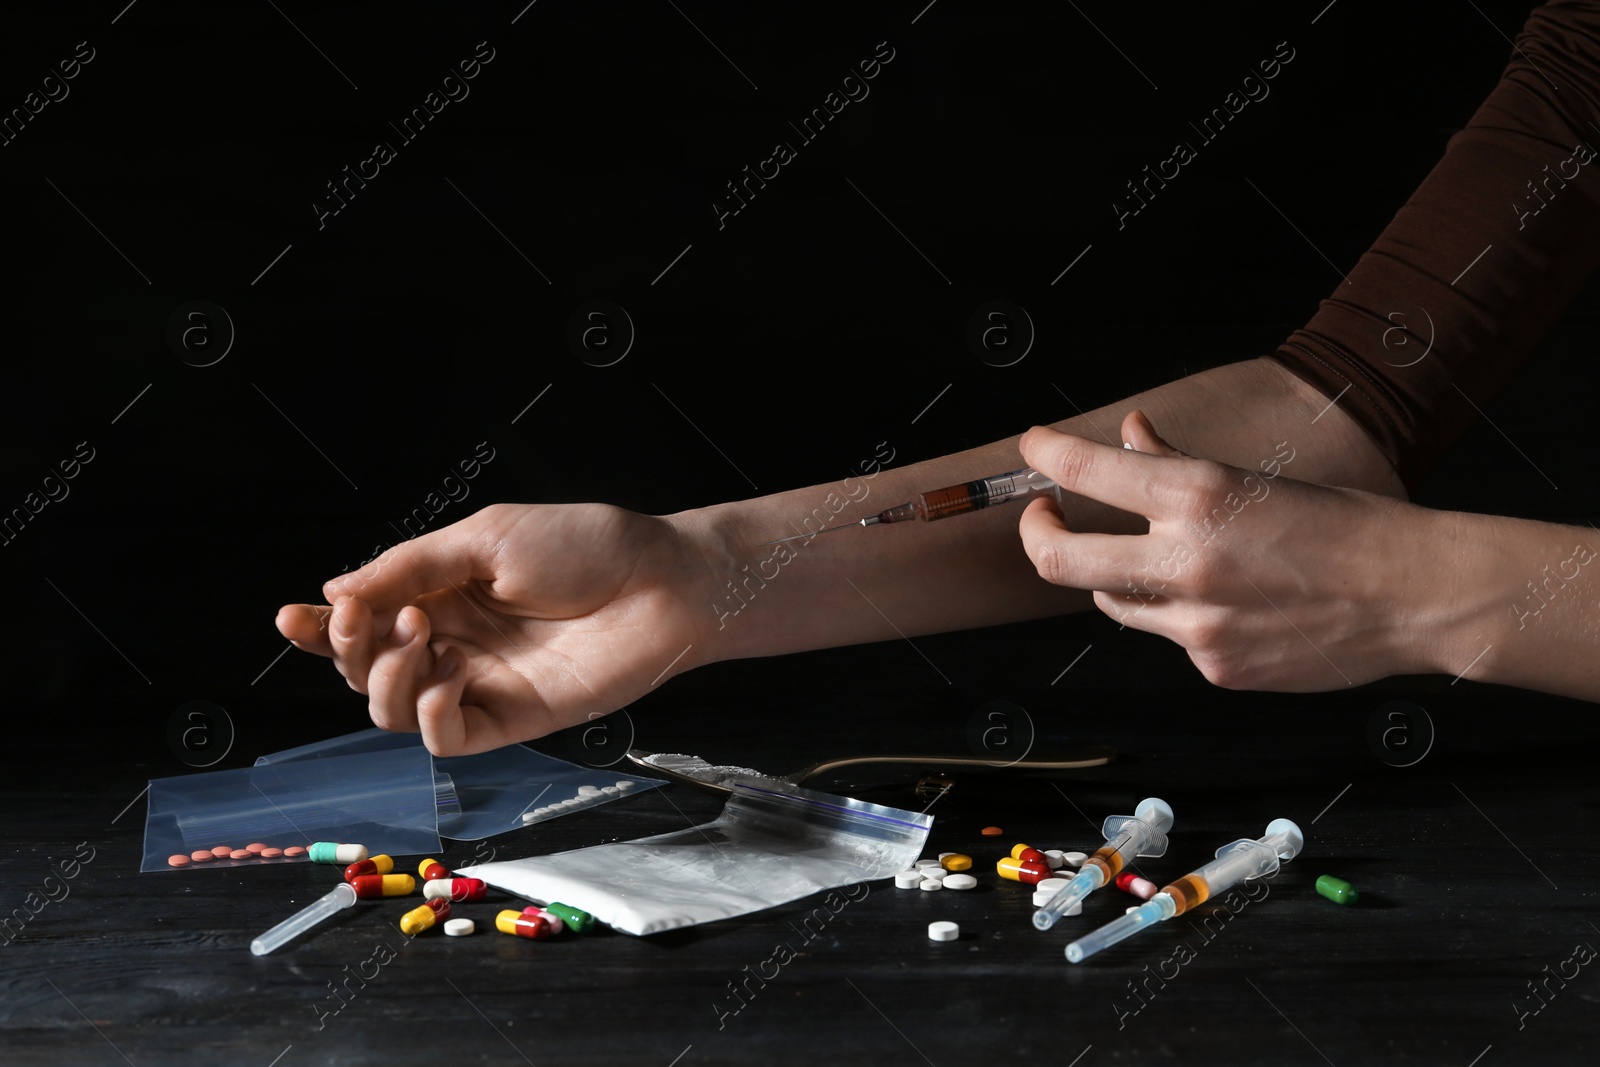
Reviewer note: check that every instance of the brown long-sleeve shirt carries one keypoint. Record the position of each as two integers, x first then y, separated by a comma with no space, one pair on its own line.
1479,263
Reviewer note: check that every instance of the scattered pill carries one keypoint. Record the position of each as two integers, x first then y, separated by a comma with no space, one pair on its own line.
1055,858
1074,859
257,848
588,791
529,816
459,927
580,921
294,850
959,881
555,923
991,831
1052,885
431,870
202,856
926,863
936,874
332,852
270,853
1033,854
1019,848
942,855
611,791
373,886
1029,872
417,920
521,925
955,861
178,861
457,889
943,931
1337,889
626,784
931,885
903,880
379,864
241,854
222,852
1142,888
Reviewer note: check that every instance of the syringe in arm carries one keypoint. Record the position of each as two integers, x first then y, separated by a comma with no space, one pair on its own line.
1234,863
1144,833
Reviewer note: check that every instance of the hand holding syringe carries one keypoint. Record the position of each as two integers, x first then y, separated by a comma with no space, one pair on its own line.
1144,833
1234,863
1024,484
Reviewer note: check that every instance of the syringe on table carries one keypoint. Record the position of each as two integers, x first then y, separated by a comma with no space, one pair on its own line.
1234,863
1024,484
1144,833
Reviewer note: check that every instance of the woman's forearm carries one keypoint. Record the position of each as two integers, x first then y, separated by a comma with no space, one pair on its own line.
870,585
1511,601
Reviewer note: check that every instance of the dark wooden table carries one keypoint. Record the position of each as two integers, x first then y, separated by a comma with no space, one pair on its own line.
1476,866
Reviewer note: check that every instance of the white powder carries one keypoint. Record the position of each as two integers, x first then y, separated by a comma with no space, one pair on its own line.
697,768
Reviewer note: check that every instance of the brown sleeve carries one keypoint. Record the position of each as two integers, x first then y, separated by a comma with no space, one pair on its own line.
1482,260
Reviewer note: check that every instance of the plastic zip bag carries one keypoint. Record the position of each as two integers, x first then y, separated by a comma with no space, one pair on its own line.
768,847
380,789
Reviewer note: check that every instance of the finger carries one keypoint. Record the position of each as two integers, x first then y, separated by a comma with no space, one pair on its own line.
438,560
1119,477
306,625
350,634
1077,560
398,668
494,706
1138,610
1140,433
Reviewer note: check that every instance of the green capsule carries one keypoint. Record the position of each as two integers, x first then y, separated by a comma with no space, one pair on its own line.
1337,889
577,919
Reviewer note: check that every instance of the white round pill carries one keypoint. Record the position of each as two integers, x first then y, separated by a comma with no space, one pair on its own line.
458,927
930,884
936,873
1130,907
959,881
943,931
529,816
942,855
929,863
1051,886
1055,858
1073,859
588,790
610,790
908,879
626,784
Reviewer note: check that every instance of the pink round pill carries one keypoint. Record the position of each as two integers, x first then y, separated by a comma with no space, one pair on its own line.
240,854
178,861
222,851
271,853
294,850
201,856
258,848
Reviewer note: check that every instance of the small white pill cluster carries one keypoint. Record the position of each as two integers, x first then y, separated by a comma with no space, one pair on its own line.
586,795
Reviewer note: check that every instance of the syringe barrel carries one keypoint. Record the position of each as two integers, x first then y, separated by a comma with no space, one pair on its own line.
1236,862
319,910
1157,909
985,492
1085,882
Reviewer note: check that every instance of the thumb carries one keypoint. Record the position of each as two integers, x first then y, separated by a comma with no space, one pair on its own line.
1140,434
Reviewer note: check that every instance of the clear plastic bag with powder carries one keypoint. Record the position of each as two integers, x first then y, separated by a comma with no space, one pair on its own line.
768,847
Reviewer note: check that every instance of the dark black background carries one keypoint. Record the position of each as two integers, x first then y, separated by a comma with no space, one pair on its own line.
778,351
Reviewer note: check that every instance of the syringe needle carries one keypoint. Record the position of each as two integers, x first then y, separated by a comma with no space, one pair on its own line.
870,520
